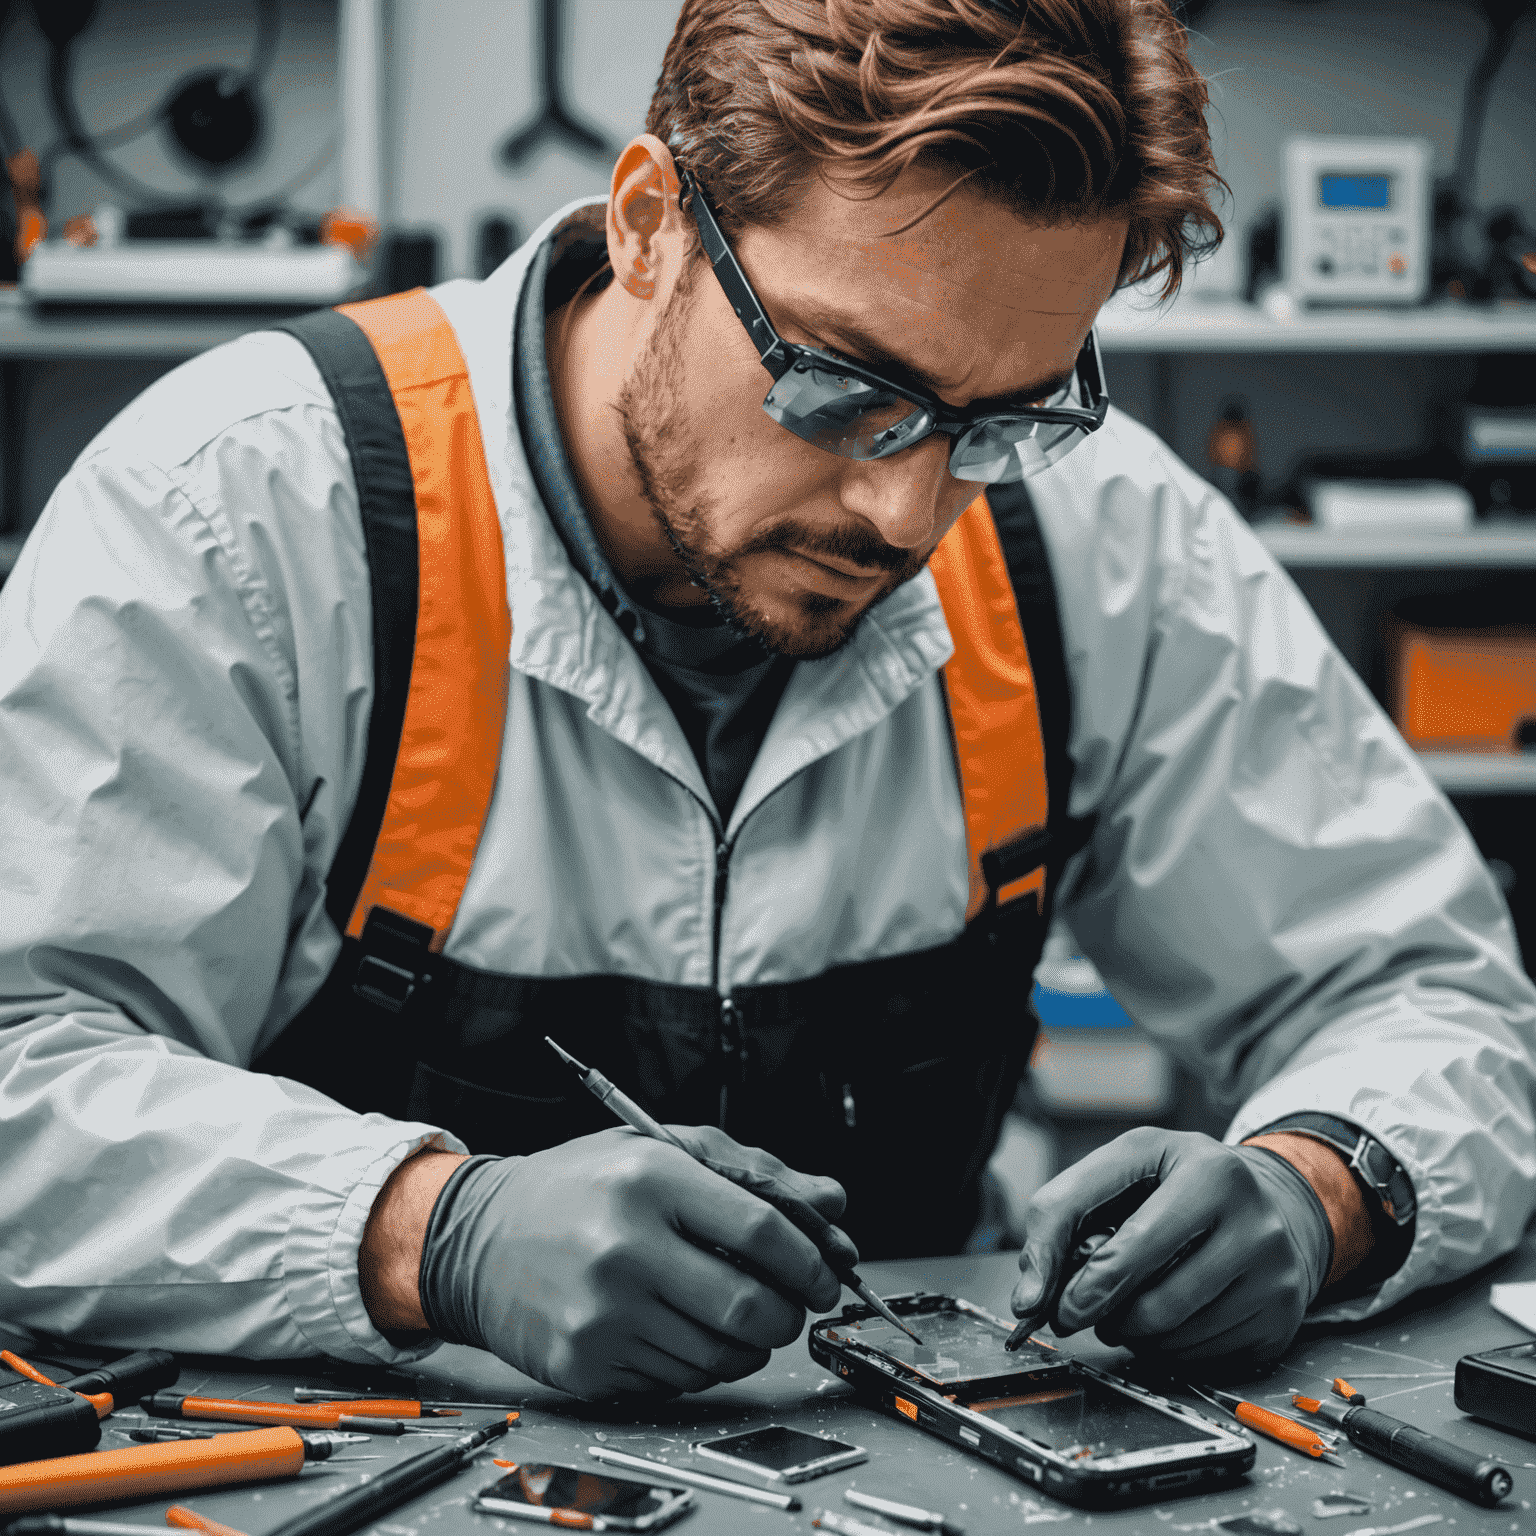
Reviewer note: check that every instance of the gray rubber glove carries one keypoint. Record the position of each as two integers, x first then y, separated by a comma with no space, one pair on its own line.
590,1266
1216,1253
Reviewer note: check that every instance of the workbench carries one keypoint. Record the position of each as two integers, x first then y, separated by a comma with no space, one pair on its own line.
1403,1365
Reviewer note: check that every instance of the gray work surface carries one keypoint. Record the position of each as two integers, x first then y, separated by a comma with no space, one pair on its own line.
1394,1363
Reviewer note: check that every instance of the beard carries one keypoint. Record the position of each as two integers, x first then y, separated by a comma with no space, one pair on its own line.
667,453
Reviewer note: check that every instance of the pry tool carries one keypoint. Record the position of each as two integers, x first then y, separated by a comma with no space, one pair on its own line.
797,1212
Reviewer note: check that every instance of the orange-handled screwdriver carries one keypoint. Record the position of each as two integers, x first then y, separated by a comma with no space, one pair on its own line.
148,1471
177,1405
1276,1425
185,1519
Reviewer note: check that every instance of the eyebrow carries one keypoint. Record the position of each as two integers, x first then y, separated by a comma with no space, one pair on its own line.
863,348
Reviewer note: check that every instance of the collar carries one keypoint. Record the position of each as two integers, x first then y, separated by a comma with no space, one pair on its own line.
563,636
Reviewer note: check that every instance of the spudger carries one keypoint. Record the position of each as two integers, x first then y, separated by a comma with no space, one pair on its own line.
798,1213
662,1473
904,1514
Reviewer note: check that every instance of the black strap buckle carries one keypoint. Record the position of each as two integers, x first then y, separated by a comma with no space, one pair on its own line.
1000,867
395,962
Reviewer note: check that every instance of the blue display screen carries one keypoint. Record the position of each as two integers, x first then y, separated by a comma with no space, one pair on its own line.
1354,191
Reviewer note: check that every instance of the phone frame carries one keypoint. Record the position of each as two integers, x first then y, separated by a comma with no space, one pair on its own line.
679,1502
803,1472
1215,1458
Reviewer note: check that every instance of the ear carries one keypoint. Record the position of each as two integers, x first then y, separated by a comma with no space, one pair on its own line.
647,239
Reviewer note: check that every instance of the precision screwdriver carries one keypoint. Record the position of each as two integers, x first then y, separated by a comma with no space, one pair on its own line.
335,1395
176,1405
1300,1437
798,1213
1475,1477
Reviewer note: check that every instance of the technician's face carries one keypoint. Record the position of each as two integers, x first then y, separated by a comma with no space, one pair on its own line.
794,542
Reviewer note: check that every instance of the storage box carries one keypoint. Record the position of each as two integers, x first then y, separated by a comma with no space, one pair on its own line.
1463,690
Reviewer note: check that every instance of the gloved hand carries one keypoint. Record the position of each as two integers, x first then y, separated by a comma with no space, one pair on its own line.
1218,1251
589,1267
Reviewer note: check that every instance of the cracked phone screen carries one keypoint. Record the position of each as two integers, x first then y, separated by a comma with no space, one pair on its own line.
1083,1418
957,1347
1072,1414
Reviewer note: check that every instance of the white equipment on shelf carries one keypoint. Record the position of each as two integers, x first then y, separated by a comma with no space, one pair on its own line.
1389,506
189,272
1357,220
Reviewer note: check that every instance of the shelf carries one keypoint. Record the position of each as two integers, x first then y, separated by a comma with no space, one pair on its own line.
1458,773
1482,773
1130,323
1314,549
25,337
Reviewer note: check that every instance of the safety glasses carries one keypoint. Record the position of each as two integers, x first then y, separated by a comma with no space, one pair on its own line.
859,413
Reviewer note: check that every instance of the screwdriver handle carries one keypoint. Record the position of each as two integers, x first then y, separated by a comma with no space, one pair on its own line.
1475,1477
132,1377
147,1471
184,1519
1278,1427
173,1405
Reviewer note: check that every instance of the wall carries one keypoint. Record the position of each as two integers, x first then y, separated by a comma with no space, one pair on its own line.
1278,67
134,51
462,75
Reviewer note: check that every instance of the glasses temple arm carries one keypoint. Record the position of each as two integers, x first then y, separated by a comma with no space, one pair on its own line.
733,281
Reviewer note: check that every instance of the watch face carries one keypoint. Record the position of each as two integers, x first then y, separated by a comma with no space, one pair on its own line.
1392,1186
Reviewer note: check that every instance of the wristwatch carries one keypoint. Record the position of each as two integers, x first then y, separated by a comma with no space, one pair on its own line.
1380,1176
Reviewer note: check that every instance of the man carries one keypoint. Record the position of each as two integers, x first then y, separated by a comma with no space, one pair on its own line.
728,780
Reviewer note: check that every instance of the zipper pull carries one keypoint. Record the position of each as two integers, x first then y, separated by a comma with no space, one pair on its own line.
733,1055
850,1117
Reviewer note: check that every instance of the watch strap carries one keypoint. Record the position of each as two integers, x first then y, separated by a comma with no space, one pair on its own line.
1377,1172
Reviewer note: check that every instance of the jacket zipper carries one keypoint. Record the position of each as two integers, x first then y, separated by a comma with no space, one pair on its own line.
732,1047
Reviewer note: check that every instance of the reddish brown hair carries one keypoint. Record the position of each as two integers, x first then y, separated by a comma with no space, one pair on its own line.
1062,109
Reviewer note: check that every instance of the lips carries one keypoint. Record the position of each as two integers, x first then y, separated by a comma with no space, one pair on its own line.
844,568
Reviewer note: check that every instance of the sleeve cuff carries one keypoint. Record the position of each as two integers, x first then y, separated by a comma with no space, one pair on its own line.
1419,1267
324,1234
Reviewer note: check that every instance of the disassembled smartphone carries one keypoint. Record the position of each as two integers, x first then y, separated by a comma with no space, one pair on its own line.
1076,1432
786,1455
538,1490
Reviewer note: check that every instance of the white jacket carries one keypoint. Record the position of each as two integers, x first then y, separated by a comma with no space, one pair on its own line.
1275,890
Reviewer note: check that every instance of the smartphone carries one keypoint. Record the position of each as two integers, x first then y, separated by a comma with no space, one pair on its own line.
786,1455
537,1489
1073,1431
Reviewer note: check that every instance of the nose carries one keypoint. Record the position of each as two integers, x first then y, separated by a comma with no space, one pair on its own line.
905,497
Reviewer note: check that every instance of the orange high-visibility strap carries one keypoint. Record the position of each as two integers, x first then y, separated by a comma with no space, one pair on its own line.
450,744
992,702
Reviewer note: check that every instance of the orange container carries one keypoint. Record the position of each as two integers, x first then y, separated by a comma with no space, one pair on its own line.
150,1471
1462,690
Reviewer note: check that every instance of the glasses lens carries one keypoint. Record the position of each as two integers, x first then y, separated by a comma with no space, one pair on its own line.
844,414
999,451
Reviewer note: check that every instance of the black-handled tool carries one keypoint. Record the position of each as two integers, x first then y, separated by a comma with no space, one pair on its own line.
389,1489
132,1377
1474,1477
832,1243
